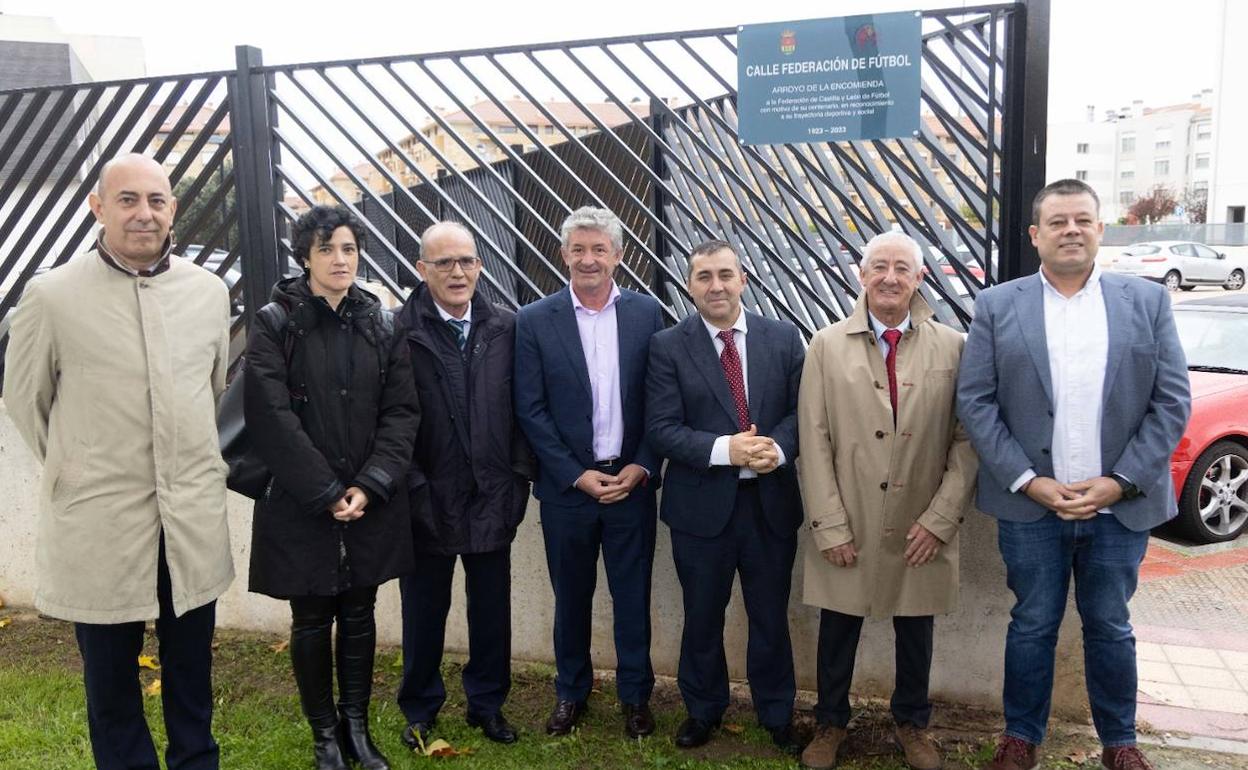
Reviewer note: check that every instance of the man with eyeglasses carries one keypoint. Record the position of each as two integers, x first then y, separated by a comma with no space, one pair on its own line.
468,485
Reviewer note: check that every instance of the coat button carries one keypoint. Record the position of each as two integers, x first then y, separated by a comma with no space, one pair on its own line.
342,392
878,385
1050,412
1044,451
884,485
879,434
343,327
814,523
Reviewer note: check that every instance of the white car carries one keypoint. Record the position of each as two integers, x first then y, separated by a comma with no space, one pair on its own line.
1180,265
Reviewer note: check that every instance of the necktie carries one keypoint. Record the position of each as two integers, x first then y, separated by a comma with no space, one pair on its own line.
457,326
892,337
731,361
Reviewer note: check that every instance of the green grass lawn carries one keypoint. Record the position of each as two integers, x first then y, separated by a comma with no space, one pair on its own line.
259,726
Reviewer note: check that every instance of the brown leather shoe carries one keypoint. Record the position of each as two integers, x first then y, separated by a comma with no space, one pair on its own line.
1013,754
1124,758
820,753
918,746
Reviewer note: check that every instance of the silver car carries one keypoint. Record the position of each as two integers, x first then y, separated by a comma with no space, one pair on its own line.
1180,265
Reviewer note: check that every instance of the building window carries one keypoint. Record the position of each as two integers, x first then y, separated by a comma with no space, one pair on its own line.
506,129
1126,197
1082,176
1161,167
1127,176
1201,186
1161,139
1081,148
1204,131
1128,142
1202,160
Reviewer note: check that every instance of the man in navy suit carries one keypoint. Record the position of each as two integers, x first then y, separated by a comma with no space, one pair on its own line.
721,406
580,370
1075,392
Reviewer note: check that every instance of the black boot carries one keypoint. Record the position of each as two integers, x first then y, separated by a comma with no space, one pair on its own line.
312,658
357,642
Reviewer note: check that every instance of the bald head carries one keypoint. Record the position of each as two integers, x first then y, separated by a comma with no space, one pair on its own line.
135,208
129,165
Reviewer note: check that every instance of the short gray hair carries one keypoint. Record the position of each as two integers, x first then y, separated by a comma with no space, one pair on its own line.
590,218
893,238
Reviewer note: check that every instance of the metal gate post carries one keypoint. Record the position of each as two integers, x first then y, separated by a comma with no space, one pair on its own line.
254,155
658,196
1024,126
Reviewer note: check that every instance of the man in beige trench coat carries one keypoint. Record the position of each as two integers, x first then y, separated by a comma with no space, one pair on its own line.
115,363
886,474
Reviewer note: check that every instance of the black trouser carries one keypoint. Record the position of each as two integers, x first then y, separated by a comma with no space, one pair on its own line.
706,567
426,602
311,653
838,646
110,652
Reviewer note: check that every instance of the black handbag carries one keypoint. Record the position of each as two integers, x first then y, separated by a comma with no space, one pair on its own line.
248,475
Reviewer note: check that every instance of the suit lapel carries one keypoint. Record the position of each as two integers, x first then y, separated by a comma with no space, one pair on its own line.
1030,310
1118,321
702,352
623,327
757,359
563,319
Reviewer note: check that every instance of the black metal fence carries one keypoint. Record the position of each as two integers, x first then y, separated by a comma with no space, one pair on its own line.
508,141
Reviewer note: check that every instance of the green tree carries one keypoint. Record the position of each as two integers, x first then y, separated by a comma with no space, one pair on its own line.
194,222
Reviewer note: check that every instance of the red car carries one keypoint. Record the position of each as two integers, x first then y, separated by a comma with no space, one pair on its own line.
1210,464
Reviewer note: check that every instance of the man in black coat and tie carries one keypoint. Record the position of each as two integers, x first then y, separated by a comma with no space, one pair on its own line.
721,402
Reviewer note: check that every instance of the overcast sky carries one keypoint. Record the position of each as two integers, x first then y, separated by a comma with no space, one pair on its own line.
1103,52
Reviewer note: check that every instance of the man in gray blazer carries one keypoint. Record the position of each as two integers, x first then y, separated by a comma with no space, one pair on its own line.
1075,392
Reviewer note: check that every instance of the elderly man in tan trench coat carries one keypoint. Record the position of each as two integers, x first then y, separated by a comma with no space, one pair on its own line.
115,362
886,473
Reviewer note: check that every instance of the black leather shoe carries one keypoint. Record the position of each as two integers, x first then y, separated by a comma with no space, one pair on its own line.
423,729
358,745
494,726
638,721
787,739
564,717
694,733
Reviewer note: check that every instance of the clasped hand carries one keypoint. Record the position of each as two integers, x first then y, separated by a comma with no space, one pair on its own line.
1075,501
747,449
351,505
606,488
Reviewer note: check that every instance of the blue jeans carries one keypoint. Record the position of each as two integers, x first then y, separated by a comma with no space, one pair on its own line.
1040,557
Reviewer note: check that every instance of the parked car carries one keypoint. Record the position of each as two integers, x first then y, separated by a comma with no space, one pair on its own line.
1210,465
1180,265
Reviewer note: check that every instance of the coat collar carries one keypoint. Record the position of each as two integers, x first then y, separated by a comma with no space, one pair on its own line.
859,321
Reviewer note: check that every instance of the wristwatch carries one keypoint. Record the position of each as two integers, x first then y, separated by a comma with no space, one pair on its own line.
1129,490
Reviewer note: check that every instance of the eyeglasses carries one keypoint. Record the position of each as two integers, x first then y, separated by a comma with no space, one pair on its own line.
447,264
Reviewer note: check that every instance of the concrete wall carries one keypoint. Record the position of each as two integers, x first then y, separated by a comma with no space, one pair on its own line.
967,667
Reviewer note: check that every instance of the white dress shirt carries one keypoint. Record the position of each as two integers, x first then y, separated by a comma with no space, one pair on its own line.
1076,331
600,341
720,455
880,327
467,319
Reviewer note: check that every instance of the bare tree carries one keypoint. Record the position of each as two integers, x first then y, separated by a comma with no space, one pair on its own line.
1196,206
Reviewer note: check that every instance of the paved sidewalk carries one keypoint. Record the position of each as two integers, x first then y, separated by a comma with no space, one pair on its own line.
1191,625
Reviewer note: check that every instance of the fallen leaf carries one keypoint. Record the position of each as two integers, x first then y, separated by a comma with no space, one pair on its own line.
1,602
1077,757
147,661
153,688
280,646
5,621
732,727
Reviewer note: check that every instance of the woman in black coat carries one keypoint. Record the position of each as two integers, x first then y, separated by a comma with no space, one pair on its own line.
332,411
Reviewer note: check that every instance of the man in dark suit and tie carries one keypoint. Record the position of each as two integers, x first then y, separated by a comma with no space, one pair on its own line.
721,406
1074,389
580,371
